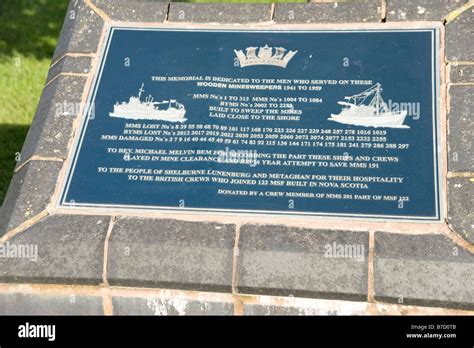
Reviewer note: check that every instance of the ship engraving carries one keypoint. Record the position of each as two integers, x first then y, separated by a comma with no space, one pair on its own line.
360,110
137,109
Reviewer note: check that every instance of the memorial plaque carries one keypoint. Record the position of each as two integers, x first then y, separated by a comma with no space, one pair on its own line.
270,121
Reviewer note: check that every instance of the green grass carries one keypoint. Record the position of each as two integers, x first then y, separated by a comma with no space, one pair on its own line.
28,33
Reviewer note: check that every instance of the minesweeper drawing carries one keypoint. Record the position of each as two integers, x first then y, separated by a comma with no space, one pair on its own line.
136,109
375,113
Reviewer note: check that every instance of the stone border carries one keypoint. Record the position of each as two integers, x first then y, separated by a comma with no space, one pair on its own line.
104,300
459,56
237,271
289,220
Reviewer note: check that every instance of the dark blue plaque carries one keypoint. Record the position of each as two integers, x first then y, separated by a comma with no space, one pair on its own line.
312,122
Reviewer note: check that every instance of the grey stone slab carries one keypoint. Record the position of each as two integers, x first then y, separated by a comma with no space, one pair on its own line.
462,73
278,260
461,129
329,12
426,270
171,254
52,127
81,31
65,249
459,38
34,304
420,10
166,306
75,65
219,13
133,10
29,193
461,207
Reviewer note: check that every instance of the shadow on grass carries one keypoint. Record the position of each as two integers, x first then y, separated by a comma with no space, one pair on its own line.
30,27
11,138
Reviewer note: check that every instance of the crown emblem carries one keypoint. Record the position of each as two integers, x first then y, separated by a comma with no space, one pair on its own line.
264,56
